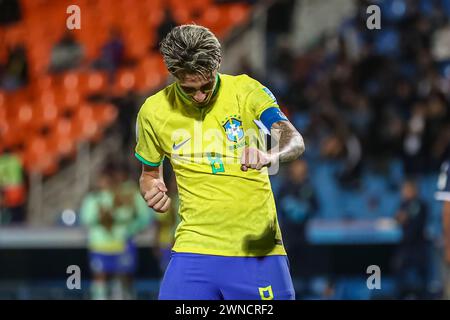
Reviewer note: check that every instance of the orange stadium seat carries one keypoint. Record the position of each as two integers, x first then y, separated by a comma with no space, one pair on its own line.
24,116
37,158
154,17
14,99
210,18
62,146
125,81
45,115
237,13
2,102
94,82
47,97
148,81
14,35
2,116
84,112
29,6
71,80
42,84
62,139
68,100
62,128
85,129
153,63
10,138
104,114
138,43
44,163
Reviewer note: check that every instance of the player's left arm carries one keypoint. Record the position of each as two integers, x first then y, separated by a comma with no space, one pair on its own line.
287,142
290,142
290,146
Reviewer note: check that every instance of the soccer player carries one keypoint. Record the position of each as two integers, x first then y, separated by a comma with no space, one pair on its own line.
228,244
113,214
443,194
131,213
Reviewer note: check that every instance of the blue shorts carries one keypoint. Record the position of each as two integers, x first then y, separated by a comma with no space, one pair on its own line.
192,276
121,263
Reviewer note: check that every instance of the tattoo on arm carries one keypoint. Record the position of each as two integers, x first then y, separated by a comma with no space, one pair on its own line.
290,141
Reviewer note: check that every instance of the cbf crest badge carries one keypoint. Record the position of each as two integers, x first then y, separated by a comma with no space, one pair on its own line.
233,128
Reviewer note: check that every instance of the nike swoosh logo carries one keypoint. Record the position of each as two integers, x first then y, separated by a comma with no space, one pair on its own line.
178,146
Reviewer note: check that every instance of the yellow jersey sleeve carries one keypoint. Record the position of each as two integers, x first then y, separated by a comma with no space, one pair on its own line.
148,149
257,97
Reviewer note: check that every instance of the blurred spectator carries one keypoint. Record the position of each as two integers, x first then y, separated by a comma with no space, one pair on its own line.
413,147
105,242
297,205
12,189
131,211
128,106
67,54
164,28
410,260
15,71
380,94
9,12
112,53
279,24
113,213
441,43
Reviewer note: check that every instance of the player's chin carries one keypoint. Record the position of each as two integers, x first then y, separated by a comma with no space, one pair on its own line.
204,101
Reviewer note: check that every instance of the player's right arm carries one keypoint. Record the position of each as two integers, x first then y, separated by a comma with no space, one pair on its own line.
149,152
153,188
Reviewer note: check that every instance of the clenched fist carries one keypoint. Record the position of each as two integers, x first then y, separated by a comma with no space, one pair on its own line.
156,197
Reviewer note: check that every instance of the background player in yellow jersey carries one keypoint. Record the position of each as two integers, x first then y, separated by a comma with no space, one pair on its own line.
228,244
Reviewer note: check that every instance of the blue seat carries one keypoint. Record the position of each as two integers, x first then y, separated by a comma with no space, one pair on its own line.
354,204
393,10
446,7
426,7
327,188
352,289
301,120
387,42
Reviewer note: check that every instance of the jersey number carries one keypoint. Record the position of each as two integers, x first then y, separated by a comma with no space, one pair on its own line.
216,164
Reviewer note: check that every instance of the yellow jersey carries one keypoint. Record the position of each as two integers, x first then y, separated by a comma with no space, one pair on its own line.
223,210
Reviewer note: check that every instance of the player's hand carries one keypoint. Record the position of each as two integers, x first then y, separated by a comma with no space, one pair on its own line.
157,197
253,158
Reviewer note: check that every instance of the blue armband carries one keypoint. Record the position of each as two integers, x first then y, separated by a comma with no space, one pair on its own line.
272,115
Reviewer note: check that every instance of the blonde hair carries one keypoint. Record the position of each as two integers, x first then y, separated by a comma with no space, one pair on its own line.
191,49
